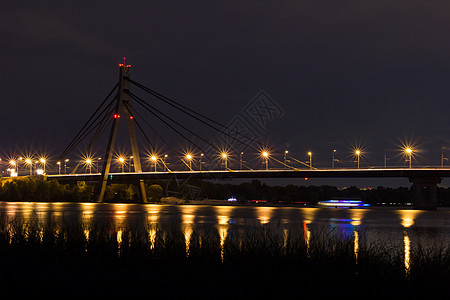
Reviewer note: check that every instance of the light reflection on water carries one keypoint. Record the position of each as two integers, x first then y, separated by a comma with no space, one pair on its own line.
403,229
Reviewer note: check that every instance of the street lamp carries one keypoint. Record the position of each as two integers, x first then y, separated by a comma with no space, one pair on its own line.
409,152
200,162
154,159
59,167
310,160
265,154
65,166
29,162
42,160
358,154
332,161
131,163
12,164
225,158
122,162
240,161
98,162
164,162
89,163
189,158
285,158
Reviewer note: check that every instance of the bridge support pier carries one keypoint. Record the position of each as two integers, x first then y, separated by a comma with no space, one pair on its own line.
424,192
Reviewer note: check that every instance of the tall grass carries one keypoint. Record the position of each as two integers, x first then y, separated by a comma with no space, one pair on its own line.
155,260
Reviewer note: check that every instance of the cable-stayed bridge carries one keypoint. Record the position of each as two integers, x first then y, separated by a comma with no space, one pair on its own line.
120,104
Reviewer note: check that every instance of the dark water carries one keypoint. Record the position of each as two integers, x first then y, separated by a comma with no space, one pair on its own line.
403,229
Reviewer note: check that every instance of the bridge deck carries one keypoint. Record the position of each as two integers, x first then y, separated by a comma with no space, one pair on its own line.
223,174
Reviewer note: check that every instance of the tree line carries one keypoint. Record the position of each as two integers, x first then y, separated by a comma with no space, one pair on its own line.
40,190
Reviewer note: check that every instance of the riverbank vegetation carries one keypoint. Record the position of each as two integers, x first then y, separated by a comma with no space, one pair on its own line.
40,190
163,261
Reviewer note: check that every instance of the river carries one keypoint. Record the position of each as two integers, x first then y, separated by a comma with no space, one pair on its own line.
403,229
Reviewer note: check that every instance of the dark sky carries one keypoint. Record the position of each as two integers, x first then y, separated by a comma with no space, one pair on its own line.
345,73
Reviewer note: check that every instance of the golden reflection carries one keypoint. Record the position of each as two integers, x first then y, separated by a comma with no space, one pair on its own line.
152,228
119,239
307,235
357,215
408,217
223,216
188,228
285,239
264,214
86,235
407,243
309,214
356,245
152,235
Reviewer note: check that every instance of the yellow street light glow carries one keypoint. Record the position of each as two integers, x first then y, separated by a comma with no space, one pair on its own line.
154,158
188,156
408,150
88,161
309,153
12,162
42,160
58,163
121,159
358,152
265,154
224,155
28,161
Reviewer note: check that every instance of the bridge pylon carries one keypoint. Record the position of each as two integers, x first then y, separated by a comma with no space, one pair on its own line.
123,105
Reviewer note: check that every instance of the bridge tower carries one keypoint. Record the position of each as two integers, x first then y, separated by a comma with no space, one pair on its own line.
123,105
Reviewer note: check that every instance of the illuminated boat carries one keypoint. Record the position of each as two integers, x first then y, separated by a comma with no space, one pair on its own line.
343,203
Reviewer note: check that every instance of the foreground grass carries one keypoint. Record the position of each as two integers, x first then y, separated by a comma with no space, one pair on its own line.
64,259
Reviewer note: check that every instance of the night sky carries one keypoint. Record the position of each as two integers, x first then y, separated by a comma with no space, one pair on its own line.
344,73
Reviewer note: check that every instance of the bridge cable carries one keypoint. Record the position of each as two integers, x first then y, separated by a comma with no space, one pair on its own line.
143,103
79,136
177,105
185,110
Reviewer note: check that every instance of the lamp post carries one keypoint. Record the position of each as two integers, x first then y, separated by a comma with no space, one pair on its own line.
200,162
225,158
164,162
265,154
310,160
154,159
240,160
12,164
285,158
29,162
122,162
42,160
131,163
189,158
65,166
59,167
409,152
98,162
358,154
89,163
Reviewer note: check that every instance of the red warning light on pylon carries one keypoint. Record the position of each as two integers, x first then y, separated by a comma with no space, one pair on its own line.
116,116
131,117
306,178
120,65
